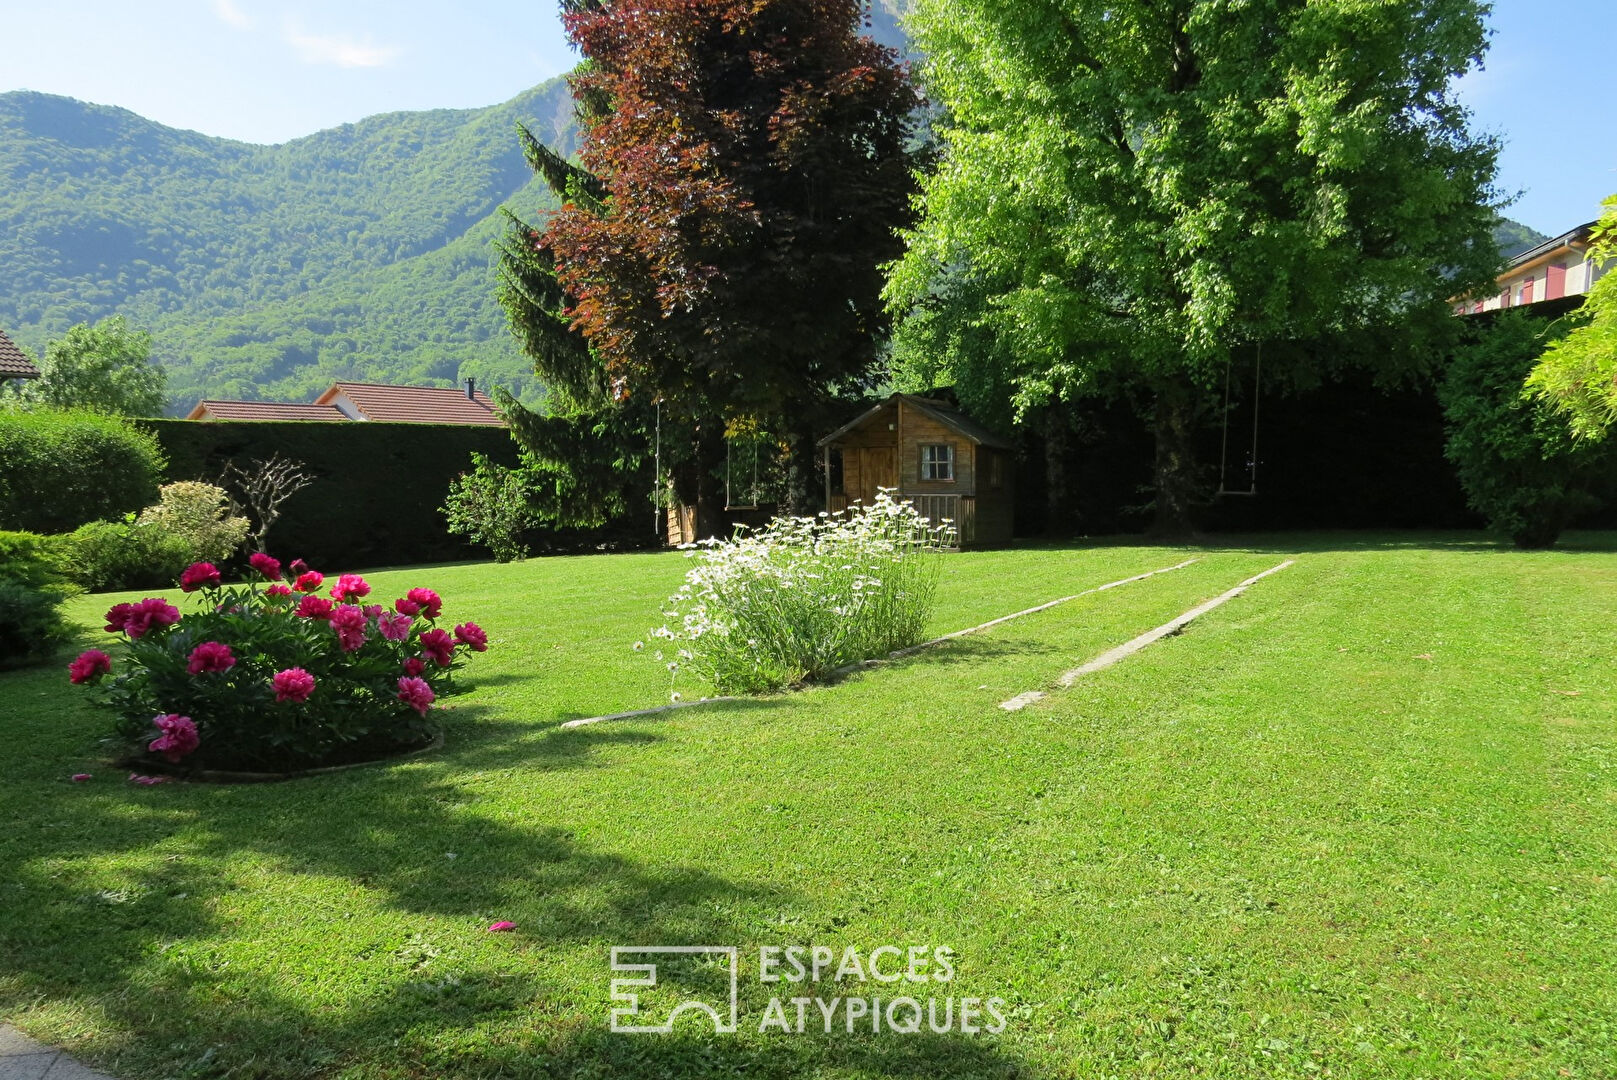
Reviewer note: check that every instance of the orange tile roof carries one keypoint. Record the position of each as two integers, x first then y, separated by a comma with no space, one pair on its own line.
415,404
14,363
262,410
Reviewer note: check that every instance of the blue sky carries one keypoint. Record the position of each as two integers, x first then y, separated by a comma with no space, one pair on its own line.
267,72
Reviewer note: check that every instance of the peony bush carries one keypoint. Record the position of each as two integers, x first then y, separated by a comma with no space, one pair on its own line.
281,673
803,597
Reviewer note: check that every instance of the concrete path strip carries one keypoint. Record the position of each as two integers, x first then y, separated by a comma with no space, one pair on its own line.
899,654
21,1058
1129,648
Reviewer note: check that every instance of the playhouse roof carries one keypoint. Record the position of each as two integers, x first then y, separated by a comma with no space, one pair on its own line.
940,411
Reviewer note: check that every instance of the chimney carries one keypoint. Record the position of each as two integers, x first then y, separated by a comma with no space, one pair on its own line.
471,389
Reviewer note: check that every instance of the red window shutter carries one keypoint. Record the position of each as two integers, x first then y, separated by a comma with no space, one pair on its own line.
1504,297
1555,281
1527,291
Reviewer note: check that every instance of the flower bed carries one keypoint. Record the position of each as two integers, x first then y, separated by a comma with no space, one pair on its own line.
274,676
804,596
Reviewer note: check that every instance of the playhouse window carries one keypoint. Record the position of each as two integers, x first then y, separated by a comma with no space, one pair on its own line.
937,461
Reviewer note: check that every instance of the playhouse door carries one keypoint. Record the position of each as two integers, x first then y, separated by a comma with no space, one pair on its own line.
877,469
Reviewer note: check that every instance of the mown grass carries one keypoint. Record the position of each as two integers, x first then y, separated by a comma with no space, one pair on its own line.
1357,823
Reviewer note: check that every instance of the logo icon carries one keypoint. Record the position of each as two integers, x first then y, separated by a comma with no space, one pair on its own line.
629,990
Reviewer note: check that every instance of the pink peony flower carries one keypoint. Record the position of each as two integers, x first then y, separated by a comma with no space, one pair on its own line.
298,566
394,627
415,693
211,656
349,623
438,646
406,607
278,590
501,927
373,610
472,636
148,781
81,777
178,739
202,575
414,666
90,665
136,619
313,607
264,564
293,684
427,602
309,581
350,587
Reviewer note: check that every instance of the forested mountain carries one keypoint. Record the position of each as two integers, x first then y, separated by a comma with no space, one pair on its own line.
358,252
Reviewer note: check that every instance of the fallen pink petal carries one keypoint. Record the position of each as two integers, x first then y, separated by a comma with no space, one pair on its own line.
148,781
501,927
81,777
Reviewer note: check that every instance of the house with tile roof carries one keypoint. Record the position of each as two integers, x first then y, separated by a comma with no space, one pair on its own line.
374,402
14,363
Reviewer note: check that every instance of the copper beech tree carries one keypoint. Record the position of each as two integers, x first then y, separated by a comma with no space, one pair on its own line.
744,169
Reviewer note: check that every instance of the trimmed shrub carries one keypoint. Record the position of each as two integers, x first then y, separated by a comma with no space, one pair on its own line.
198,514
272,676
490,506
106,556
31,623
63,469
1519,464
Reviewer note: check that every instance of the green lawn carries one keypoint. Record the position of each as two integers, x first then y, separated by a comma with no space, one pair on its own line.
1359,822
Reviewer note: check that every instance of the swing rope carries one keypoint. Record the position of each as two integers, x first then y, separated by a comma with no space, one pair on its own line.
1224,445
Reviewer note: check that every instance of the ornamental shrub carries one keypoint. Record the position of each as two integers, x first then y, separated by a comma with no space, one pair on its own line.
31,622
804,596
1518,462
199,514
490,506
271,676
106,556
62,469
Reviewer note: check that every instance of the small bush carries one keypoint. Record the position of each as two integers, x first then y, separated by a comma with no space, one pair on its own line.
31,623
490,506
1518,462
804,597
199,514
275,677
107,556
63,469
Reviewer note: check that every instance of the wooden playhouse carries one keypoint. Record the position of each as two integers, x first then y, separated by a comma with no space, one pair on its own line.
937,458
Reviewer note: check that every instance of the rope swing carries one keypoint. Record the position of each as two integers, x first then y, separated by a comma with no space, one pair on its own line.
1224,446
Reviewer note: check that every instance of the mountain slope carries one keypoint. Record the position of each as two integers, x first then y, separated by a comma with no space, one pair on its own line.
372,228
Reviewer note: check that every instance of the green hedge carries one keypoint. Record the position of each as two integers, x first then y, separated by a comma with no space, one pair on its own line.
59,470
31,625
378,489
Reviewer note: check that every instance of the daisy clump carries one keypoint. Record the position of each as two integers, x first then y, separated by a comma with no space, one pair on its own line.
804,596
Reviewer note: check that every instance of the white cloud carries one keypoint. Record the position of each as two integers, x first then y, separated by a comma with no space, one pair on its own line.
338,50
231,15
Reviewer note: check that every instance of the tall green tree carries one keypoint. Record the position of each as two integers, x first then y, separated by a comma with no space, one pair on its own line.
1133,195
1577,375
105,368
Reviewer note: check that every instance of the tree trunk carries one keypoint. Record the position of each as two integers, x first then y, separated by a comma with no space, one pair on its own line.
803,494
1061,502
710,516
1179,487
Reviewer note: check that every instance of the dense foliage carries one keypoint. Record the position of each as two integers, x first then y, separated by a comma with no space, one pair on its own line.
201,515
1134,195
1519,463
803,597
31,623
107,556
62,469
1577,376
275,675
104,368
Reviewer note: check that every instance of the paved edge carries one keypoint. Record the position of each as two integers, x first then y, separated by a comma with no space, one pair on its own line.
25,1059
1129,648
